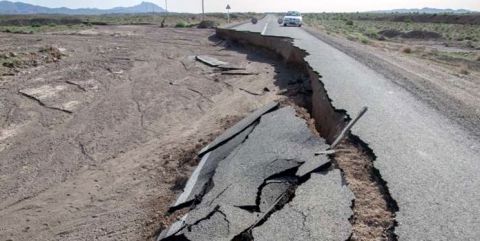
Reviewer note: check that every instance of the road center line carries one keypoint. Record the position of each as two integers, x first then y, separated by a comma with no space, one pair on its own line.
265,29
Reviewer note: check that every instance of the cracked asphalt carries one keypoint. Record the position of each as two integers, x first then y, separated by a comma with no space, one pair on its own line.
255,193
429,161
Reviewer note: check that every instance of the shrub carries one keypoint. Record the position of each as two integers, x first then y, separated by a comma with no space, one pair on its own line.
12,63
207,24
477,58
181,25
349,22
407,50
53,53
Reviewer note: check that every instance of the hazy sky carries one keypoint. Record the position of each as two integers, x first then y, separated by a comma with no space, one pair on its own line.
269,5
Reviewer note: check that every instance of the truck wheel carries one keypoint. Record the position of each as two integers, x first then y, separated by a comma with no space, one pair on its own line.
284,24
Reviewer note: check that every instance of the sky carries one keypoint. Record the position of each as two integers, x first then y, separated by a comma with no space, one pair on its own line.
268,5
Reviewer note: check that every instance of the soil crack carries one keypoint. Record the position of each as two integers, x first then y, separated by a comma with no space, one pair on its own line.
373,207
44,105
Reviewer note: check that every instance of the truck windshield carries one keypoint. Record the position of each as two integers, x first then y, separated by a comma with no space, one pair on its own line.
293,14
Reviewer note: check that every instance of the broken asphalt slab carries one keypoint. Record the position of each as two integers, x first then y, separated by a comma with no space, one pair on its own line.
212,62
259,169
319,211
222,66
198,181
237,128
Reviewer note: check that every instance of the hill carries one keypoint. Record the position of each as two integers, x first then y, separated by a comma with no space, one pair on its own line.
425,10
7,7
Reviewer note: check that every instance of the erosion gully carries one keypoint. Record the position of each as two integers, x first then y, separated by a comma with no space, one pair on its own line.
373,207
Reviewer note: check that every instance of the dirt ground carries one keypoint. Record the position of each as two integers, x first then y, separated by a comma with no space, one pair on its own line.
96,145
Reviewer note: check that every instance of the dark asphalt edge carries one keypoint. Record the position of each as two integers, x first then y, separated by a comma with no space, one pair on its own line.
237,128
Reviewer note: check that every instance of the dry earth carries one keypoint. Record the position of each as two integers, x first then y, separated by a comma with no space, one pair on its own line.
95,146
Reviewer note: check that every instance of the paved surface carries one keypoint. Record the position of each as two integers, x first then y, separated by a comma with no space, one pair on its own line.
248,181
430,163
238,127
313,214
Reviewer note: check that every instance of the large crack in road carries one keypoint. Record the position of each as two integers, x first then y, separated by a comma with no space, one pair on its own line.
273,152
373,209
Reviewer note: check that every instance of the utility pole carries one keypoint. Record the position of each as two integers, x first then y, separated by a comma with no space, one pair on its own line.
203,10
166,6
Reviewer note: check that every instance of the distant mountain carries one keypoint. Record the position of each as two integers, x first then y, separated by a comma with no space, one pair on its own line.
425,10
7,7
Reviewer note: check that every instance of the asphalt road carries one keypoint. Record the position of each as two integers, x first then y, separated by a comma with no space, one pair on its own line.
430,163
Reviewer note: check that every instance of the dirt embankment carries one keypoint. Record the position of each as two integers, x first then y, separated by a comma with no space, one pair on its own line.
98,144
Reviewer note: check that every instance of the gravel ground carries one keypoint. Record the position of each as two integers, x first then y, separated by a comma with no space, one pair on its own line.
98,144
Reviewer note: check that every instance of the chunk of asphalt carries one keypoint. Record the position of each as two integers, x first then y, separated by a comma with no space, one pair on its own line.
276,146
320,210
202,175
316,163
281,141
223,225
212,62
237,128
173,229
272,190
217,227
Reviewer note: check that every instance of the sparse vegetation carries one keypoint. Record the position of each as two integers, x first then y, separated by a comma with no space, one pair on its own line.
40,28
447,39
208,24
452,28
181,25
11,62
364,40
29,24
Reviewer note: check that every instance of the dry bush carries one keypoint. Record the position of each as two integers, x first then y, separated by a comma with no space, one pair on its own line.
208,24
407,50
53,54
477,58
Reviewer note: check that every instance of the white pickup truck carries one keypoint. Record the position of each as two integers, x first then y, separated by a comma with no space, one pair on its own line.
293,18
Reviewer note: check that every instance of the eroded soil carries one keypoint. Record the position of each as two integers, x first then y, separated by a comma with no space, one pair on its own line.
98,144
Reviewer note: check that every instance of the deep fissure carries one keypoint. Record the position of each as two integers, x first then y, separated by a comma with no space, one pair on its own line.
369,221
373,207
